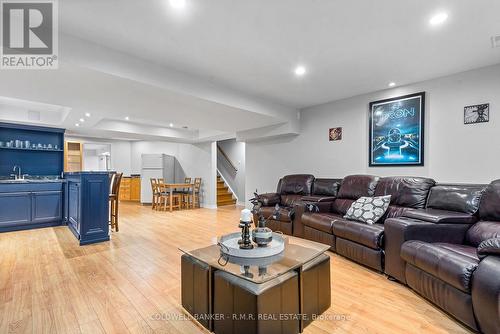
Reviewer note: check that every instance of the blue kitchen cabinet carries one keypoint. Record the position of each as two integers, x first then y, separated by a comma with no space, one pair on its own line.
15,209
46,206
88,206
30,204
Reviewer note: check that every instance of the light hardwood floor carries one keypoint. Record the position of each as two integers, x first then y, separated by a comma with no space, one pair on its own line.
48,284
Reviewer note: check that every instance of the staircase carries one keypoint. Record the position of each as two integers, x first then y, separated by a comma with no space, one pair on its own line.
224,194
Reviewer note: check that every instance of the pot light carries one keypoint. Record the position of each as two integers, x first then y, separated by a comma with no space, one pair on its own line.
438,19
127,118
87,114
178,4
76,124
82,120
171,125
300,71
392,84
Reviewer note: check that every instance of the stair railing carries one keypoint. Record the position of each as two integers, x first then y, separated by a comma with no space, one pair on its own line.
226,159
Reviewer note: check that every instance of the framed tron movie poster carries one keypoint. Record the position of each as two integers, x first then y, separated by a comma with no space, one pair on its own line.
397,131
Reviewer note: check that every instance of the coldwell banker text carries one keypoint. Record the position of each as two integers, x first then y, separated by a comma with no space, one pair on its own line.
29,34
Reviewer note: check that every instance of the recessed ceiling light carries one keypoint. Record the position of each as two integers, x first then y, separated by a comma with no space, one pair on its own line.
300,71
392,84
82,120
171,124
438,19
87,114
76,124
178,4
127,118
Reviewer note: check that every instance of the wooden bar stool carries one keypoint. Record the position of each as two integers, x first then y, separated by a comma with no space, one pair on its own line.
113,200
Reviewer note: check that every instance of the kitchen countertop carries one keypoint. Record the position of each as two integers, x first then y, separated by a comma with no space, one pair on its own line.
12,181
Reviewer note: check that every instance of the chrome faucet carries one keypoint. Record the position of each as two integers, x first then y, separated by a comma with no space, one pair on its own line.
18,175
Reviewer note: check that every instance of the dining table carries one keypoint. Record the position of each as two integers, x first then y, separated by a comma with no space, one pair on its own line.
170,188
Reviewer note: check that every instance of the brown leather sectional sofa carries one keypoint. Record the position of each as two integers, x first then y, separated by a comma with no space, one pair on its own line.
442,240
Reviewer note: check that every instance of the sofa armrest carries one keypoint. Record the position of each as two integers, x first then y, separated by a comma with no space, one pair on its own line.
441,216
317,199
486,294
269,199
399,230
489,247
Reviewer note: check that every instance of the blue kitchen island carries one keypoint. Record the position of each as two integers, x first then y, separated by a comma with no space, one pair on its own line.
87,206
34,191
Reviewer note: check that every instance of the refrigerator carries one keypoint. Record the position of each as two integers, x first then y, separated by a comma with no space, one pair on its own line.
155,166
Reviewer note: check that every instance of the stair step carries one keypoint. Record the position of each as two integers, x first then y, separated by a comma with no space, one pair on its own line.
225,196
222,203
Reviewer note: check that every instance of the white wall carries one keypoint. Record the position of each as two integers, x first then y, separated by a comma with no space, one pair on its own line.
454,152
195,161
236,153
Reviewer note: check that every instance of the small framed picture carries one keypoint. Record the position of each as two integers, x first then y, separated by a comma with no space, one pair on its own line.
335,134
479,113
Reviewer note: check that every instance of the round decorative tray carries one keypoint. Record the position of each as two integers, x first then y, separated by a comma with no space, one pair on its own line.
229,246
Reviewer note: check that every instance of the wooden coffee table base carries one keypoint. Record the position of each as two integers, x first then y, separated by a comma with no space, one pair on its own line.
225,303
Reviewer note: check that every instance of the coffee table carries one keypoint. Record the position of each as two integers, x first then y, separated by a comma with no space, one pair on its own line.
258,295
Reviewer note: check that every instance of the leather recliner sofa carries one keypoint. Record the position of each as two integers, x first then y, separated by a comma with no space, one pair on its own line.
358,241
448,257
430,238
291,190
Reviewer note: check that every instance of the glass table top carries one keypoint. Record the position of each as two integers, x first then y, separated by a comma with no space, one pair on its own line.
259,270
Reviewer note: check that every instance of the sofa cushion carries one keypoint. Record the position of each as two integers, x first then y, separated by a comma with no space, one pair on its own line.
482,231
320,221
356,186
453,264
441,216
284,213
394,211
405,191
297,184
341,205
269,199
361,233
290,200
489,208
326,187
368,209
459,197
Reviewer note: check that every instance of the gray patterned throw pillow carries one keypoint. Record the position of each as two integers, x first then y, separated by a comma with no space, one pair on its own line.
368,209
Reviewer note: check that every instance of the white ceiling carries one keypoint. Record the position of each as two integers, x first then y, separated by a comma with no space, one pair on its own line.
224,68
348,47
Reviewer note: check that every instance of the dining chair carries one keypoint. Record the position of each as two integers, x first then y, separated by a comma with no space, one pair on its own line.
156,193
114,200
197,187
165,197
186,193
